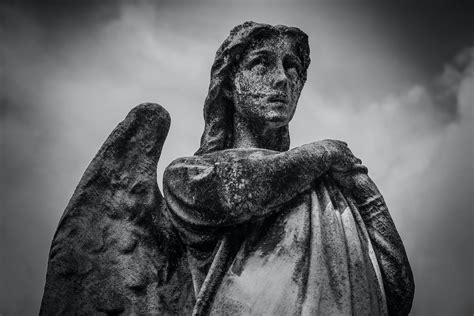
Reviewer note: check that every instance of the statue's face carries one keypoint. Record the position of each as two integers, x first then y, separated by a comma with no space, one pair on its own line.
268,82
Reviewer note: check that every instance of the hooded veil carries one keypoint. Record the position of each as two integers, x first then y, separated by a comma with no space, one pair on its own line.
218,107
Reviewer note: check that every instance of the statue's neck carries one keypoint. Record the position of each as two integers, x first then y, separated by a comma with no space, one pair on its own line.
254,135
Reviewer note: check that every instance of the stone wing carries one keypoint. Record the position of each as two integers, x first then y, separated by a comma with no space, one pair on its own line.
114,250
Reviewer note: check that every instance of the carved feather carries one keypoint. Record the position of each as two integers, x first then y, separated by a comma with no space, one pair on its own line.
114,251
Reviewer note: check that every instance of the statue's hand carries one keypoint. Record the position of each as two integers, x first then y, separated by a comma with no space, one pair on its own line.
355,178
346,169
341,157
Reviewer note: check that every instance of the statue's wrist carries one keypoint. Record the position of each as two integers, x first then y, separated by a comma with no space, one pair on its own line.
327,153
322,156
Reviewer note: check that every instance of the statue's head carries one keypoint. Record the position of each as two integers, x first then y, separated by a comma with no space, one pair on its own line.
257,76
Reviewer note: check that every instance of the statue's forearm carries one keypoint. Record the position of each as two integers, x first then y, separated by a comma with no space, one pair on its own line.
282,176
235,185
388,246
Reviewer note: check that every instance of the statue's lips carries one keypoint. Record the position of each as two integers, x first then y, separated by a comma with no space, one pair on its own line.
277,98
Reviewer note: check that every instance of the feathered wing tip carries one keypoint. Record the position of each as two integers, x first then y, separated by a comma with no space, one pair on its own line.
218,107
114,250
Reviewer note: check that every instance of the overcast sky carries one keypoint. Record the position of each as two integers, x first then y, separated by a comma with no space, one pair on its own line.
394,81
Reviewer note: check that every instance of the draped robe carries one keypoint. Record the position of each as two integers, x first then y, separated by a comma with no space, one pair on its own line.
304,249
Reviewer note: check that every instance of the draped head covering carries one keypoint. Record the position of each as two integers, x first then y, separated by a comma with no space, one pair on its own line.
218,107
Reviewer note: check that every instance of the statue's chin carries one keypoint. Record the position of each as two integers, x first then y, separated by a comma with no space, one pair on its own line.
277,119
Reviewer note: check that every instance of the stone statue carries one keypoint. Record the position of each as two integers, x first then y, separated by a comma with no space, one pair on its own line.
247,226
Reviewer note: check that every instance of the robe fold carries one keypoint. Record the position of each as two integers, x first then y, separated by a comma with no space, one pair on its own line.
317,253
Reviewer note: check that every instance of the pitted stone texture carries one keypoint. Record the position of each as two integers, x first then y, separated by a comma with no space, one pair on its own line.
114,251
266,229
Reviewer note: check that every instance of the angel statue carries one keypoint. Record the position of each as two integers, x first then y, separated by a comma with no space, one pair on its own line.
247,226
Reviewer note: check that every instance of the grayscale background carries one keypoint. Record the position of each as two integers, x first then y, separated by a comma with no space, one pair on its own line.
393,79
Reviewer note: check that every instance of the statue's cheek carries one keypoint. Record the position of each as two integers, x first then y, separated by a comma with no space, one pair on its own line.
253,82
295,88
242,83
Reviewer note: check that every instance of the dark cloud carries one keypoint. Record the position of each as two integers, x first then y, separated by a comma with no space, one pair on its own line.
431,31
446,86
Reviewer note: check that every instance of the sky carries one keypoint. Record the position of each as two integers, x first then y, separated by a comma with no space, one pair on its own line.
394,80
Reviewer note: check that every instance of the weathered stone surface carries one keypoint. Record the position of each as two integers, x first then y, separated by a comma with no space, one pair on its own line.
114,251
263,229
272,230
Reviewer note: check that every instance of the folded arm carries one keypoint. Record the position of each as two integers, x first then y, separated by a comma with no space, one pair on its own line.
232,186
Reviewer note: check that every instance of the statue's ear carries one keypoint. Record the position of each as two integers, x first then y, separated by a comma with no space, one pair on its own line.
114,250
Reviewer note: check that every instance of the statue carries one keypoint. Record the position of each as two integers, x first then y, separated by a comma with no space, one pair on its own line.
247,226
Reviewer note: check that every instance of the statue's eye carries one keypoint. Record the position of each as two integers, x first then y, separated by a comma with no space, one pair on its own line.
260,61
292,64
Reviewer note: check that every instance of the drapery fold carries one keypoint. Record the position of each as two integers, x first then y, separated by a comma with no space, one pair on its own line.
291,246
310,259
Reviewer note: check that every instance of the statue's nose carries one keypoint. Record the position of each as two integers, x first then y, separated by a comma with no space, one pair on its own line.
280,80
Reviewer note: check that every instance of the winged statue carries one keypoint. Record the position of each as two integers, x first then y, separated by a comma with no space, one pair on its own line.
246,225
